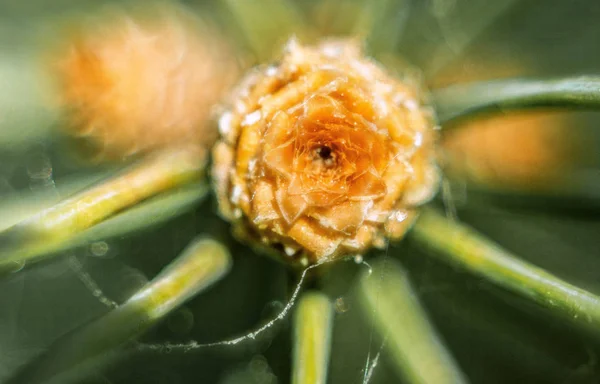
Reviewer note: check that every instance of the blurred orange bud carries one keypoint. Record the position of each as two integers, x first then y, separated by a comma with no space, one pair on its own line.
527,150
132,81
515,150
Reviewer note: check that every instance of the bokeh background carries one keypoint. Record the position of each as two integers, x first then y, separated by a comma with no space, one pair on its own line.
495,336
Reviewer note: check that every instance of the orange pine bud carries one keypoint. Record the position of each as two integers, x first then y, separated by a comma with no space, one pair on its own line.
324,154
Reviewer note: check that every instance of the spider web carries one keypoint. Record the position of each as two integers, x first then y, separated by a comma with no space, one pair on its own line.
195,345
40,173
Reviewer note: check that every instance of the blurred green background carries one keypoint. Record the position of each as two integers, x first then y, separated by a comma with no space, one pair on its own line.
495,336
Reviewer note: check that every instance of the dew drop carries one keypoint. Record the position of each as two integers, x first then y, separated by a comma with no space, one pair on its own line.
340,305
99,248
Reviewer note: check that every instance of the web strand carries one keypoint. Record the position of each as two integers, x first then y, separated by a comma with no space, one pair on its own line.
194,345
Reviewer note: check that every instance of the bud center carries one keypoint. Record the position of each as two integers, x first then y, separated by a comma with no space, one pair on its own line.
324,157
324,152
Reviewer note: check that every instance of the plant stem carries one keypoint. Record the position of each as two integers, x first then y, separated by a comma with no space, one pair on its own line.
160,209
465,248
52,228
416,351
19,205
312,339
203,263
462,100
